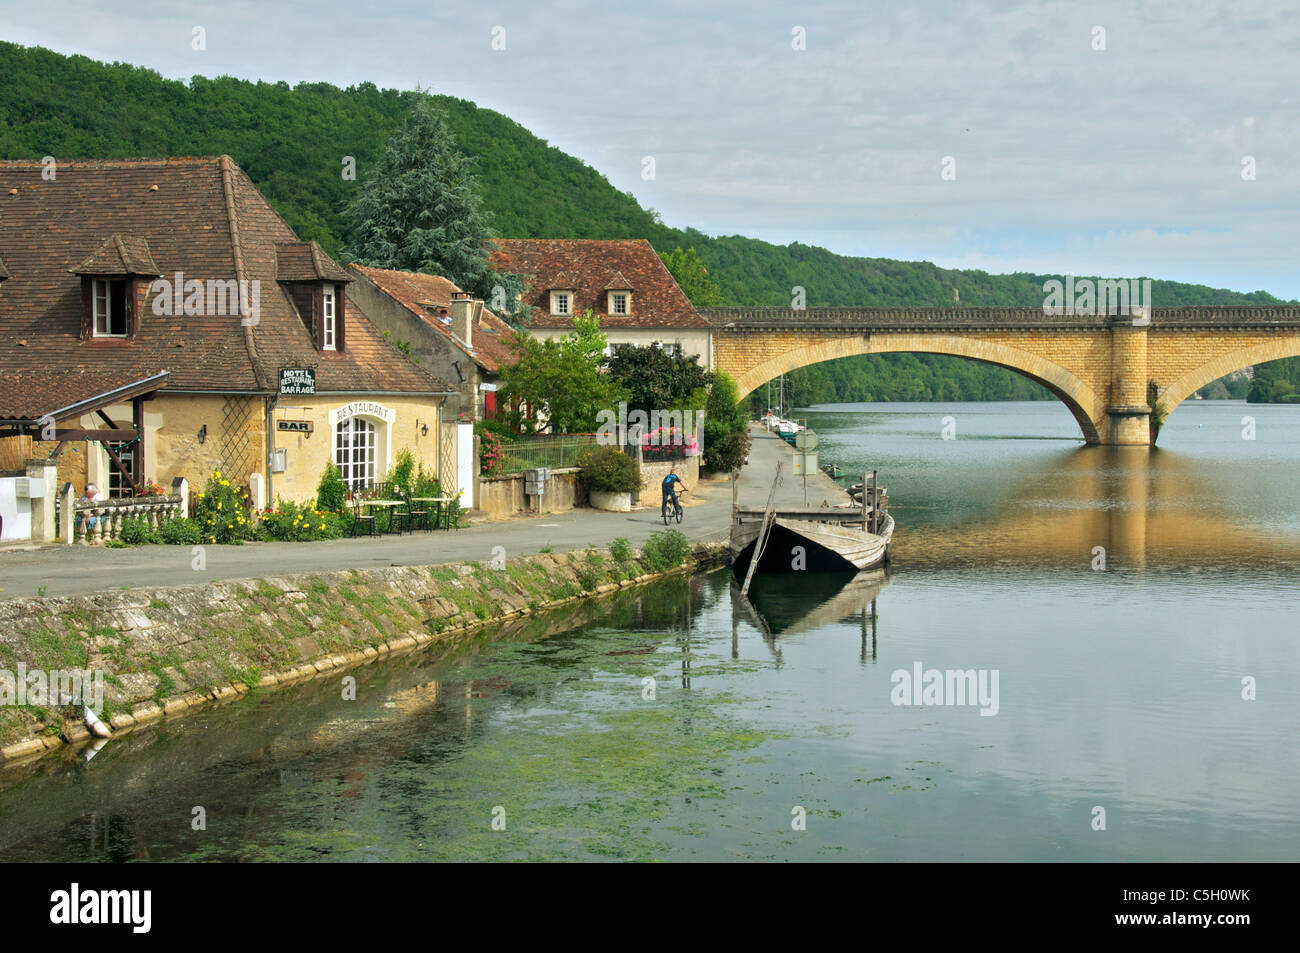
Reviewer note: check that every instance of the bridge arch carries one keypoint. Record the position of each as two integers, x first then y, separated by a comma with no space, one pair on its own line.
1223,365
1082,401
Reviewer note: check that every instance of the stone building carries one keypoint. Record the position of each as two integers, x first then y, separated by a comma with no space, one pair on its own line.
623,282
160,319
446,330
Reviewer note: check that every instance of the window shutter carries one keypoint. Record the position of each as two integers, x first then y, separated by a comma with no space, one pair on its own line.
87,307
340,295
318,317
131,309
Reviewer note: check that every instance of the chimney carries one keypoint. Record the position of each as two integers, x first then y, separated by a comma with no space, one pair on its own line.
462,315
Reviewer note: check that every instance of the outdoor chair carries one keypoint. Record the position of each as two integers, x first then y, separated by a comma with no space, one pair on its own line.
361,519
417,514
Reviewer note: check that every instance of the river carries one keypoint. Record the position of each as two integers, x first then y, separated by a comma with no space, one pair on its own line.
1137,609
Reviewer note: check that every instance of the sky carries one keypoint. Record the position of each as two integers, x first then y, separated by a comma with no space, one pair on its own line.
1126,139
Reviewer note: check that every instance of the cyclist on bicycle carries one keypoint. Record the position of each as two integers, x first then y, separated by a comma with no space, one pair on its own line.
669,487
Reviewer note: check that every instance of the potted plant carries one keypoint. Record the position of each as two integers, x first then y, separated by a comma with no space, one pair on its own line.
611,477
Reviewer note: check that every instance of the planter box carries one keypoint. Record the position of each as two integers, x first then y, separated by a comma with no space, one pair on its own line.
615,502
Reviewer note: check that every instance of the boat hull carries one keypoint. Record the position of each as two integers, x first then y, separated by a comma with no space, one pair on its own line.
796,545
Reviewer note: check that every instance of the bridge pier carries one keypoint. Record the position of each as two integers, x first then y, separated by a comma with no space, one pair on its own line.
1128,415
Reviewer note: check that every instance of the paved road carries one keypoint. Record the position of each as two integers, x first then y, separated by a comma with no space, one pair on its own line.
67,570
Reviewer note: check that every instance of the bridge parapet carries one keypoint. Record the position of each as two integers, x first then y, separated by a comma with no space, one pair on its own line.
1005,319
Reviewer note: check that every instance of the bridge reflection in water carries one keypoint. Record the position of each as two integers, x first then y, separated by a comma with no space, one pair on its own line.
1097,508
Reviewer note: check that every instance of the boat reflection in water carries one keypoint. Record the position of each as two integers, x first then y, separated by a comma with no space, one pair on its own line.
785,605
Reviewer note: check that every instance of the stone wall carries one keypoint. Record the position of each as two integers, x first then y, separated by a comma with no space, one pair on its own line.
654,472
502,497
166,651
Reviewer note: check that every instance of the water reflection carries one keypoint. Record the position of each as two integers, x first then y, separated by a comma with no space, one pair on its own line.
784,605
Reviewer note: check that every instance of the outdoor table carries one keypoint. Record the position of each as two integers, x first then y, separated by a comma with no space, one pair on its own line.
389,505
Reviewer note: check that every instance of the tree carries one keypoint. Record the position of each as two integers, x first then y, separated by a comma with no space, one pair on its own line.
655,380
726,433
562,381
419,209
692,277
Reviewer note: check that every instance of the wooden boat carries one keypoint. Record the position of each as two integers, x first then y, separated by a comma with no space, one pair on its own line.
828,538
832,471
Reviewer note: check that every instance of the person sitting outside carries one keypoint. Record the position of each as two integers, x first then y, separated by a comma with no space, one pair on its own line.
92,495
669,487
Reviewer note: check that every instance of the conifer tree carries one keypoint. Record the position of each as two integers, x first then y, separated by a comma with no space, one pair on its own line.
419,209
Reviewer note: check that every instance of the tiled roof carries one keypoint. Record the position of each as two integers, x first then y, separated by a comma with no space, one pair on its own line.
202,217
307,261
31,394
590,268
4,272
423,295
120,255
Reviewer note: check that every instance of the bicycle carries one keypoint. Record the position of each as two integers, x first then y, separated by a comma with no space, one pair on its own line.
677,506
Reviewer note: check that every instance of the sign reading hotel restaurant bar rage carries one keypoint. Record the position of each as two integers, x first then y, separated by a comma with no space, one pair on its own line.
297,380
294,426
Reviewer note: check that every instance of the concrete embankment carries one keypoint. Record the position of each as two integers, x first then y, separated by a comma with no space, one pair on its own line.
167,651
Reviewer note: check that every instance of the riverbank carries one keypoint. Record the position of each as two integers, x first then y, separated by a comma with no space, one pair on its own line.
168,651
71,570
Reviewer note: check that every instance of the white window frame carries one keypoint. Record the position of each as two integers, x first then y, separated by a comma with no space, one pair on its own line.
102,309
329,315
356,451
568,303
627,303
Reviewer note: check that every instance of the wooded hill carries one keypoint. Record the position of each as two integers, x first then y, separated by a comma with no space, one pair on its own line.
292,141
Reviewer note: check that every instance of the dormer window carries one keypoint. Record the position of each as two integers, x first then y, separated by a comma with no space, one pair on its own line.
316,285
561,302
329,319
114,280
109,308
620,303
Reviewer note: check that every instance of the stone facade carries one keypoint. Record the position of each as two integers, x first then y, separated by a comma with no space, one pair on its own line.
1107,371
193,435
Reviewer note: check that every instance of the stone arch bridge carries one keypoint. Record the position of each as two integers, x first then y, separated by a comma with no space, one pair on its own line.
1119,375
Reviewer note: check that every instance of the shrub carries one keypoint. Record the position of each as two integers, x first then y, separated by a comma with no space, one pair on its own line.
426,483
181,531
491,455
609,470
293,523
137,531
402,475
331,492
727,453
221,511
665,550
620,549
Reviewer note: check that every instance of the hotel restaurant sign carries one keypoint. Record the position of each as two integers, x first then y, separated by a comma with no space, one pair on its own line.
297,380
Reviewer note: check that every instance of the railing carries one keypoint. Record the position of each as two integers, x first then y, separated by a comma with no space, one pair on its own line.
554,452
108,516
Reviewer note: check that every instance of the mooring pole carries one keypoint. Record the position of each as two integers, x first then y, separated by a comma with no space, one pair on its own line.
760,541
875,517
